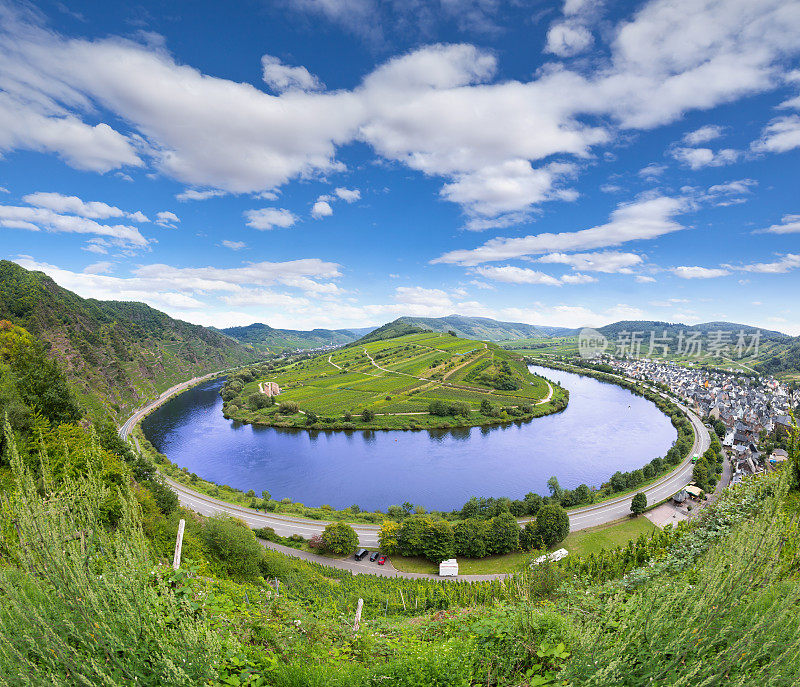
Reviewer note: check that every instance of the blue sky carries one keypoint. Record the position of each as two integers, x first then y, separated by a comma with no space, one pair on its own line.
336,163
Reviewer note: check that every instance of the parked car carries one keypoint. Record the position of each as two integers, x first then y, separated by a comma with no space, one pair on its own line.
374,556
360,554
381,560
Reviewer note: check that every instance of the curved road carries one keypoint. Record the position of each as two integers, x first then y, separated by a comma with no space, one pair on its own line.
579,518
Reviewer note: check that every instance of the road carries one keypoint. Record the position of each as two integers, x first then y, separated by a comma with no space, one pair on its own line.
579,518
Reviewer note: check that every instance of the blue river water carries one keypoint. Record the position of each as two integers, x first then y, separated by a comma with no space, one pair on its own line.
603,429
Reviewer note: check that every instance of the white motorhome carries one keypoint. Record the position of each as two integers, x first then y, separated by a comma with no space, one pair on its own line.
448,568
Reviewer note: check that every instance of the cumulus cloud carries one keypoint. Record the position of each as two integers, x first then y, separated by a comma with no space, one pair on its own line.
322,208
786,263
693,272
644,219
167,219
435,109
697,158
703,135
270,218
567,39
349,195
605,261
234,245
281,77
789,224
103,267
517,275
194,194
780,135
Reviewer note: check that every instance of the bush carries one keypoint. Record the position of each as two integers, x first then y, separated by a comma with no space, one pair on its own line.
367,415
288,408
339,538
639,504
552,525
233,545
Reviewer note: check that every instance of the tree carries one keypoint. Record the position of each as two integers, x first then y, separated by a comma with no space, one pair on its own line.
411,535
487,408
266,495
311,417
388,537
367,415
288,408
527,537
552,525
639,504
720,429
233,545
438,408
504,534
340,538
470,537
700,473
437,541
555,488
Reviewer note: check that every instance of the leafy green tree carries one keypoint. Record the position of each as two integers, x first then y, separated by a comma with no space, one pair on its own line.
552,525
437,541
700,473
389,537
411,535
639,504
504,534
340,538
233,545
470,537
527,537
556,491
367,415
266,495
438,408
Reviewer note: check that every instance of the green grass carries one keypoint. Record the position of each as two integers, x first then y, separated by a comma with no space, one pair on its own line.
579,544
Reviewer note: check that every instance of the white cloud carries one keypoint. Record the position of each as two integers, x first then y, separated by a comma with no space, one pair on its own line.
692,272
574,316
281,77
36,218
72,205
234,245
644,219
738,187
566,39
785,264
349,195
322,208
269,218
103,267
578,278
697,158
644,279
194,194
789,224
605,261
779,135
167,219
517,275
652,171
703,135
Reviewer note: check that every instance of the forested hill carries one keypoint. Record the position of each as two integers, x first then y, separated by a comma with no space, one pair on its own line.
482,328
115,354
263,337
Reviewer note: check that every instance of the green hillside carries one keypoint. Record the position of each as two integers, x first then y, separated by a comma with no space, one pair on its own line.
115,354
481,328
265,338
424,379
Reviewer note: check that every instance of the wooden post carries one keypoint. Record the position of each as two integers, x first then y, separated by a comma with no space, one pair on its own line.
358,614
176,560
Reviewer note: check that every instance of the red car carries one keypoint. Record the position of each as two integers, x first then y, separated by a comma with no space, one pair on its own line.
381,560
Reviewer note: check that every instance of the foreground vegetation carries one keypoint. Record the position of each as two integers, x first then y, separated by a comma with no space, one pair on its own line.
416,381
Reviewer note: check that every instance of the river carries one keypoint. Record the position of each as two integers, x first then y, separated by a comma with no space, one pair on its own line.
604,429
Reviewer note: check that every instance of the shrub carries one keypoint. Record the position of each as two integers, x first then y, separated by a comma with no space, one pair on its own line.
552,525
639,504
339,538
288,408
233,545
367,415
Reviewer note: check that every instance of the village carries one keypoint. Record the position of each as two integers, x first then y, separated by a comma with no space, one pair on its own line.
754,411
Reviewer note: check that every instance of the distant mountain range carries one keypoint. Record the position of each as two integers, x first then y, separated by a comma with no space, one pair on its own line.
265,338
115,354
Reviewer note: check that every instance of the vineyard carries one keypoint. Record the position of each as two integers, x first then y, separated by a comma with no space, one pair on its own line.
393,383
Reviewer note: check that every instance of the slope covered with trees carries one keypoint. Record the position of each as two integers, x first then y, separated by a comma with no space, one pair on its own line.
115,354
265,338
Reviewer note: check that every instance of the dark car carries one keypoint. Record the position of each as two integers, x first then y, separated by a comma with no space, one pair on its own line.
381,560
360,554
373,557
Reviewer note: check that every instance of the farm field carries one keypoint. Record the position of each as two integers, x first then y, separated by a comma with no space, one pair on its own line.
396,381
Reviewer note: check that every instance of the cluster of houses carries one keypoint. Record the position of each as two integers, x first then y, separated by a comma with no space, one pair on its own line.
750,408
